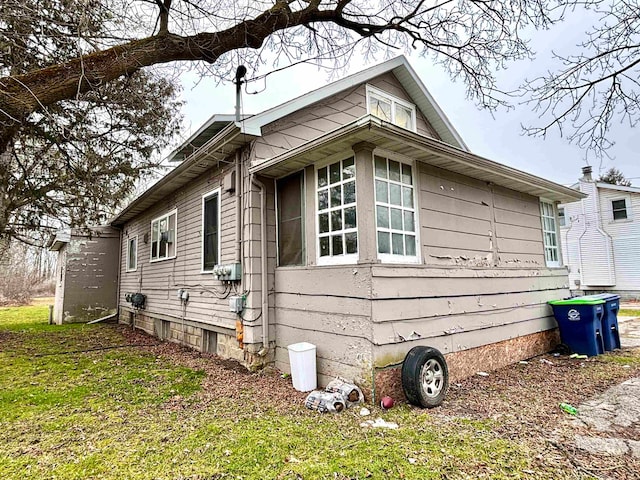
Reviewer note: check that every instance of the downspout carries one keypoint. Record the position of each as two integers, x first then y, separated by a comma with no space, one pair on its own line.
263,265
119,273
238,179
238,256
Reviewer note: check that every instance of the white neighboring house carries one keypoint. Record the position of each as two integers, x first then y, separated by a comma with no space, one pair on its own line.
600,238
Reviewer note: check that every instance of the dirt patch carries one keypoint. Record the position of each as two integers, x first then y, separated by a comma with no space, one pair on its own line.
224,378
519,402
522,401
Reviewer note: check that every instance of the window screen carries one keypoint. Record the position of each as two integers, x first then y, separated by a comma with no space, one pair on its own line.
210,229
290,239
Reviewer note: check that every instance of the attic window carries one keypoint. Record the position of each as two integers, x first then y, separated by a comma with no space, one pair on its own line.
391,109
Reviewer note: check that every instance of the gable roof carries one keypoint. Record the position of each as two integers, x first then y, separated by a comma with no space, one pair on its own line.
221,135
252,124
620,188
407,77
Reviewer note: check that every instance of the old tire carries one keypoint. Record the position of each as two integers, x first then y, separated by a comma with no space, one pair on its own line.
425,377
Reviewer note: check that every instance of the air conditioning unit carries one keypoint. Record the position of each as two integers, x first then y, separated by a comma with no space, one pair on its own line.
168,236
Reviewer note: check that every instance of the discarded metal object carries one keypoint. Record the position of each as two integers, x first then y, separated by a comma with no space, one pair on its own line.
338,395
350,392
325,402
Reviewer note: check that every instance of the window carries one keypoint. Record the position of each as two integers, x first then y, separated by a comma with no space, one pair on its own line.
396,223
391,109
561,218
619,208
132,254
337,224
210,230
549,234
290,240
163,237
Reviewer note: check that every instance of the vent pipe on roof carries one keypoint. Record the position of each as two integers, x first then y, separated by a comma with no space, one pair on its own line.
586,174
241,71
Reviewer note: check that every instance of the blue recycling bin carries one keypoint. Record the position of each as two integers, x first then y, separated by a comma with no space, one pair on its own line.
580,323
610,333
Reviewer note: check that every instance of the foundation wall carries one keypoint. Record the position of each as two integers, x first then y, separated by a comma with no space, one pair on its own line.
466,363
195,335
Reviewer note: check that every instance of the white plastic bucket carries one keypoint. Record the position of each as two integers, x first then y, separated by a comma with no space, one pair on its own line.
302,358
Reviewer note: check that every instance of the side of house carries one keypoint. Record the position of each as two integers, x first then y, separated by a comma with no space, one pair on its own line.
601,237
354,218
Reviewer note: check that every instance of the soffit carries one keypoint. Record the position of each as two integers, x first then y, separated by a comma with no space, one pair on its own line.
433,152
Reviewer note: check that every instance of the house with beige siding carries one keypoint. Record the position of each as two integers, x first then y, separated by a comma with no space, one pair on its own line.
355,218
601,238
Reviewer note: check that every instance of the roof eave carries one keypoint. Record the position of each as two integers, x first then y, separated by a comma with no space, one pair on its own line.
369,127
621,188
207,156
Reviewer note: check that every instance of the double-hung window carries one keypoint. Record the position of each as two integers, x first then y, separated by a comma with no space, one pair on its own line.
210,230
619,209
396,222
549,234
391,109
132,254
163,237
337,223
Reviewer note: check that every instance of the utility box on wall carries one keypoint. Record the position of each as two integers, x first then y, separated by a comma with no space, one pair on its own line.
86,274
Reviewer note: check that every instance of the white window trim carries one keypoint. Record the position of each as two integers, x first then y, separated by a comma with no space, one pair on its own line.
128,269
167,215
627,204
394,100
217,191
390,257
345,259
564,209
558,248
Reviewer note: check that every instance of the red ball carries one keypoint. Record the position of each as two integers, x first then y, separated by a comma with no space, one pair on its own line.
386,402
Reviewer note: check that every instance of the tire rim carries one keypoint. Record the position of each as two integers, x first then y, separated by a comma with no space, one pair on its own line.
432,378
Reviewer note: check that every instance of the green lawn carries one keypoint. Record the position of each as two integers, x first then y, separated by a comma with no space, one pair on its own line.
111,414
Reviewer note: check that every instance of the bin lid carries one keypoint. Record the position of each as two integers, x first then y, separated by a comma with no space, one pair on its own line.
605,296
301,347
585,300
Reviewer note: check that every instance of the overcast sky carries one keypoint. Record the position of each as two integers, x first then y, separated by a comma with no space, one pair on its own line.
498,137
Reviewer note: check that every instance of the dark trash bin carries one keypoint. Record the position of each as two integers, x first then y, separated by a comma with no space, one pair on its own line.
580,323
610,333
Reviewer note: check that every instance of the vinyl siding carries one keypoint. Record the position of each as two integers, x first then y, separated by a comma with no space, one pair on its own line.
317,119
329,307
458,309
625,236
483,280
161,280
